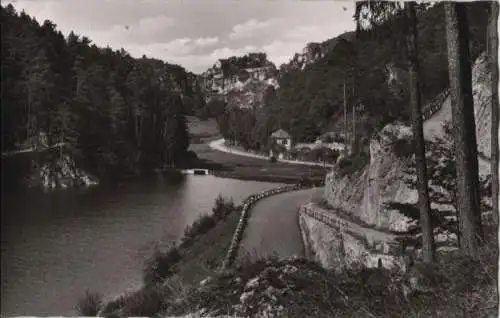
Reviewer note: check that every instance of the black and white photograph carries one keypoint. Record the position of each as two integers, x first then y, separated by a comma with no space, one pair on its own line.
249,158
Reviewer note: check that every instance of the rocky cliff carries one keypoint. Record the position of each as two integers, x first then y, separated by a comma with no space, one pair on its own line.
366,193
241,81
311,53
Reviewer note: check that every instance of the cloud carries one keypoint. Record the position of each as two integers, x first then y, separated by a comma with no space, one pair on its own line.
251,28
195,33
175,50
201,42
186,46
146,30
282,51
313,32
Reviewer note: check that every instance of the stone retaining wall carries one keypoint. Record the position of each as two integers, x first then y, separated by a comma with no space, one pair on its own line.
246,205
435,105
374,246
335,245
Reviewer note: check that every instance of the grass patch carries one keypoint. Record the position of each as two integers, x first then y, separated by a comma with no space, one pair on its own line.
161,265
205,255
455,286
247,168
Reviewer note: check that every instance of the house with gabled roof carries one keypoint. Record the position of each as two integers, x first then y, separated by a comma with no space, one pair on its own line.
281,138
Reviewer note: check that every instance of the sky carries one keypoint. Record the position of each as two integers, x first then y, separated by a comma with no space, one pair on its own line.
196,33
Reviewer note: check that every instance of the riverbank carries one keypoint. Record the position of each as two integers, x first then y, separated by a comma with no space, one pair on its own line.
227,165
189,262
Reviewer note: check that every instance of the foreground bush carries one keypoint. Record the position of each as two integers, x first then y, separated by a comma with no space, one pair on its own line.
199,227
89,304
454,286
222,207
145,302
161,266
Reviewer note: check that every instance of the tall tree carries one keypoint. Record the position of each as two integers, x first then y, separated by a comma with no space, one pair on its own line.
418,135
493,60
369,13
464,127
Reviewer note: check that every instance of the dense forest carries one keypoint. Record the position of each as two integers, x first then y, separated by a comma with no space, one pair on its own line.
310,101
115,115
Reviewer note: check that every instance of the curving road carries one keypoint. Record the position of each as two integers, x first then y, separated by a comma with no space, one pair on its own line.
219,145
273,226
433,127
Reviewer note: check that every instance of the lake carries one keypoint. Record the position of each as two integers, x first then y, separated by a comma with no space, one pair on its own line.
56,245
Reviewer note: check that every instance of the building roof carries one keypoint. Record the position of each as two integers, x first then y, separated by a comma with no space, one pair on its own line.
280,133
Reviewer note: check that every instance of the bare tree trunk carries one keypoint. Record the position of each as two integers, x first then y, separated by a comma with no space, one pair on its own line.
426,223
464,127
353,120
353,141
345,117
493,60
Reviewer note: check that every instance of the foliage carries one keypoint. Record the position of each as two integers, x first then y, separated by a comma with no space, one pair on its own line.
161,265
117,114
310,101
222,207
214,108
452,287
145,302
89,304
199,227
441,169
352,164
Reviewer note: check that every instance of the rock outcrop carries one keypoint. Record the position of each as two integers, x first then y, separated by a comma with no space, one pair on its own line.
365,194
60,173
241,81
311,53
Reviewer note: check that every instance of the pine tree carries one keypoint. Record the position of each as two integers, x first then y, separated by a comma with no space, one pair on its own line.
493,60
464,127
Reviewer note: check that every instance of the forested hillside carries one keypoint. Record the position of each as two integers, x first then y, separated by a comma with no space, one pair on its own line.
116,114
310,101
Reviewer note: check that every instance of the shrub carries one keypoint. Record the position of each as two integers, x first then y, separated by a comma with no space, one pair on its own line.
201,226
161,266
145,302
222,207
353,163
89,304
